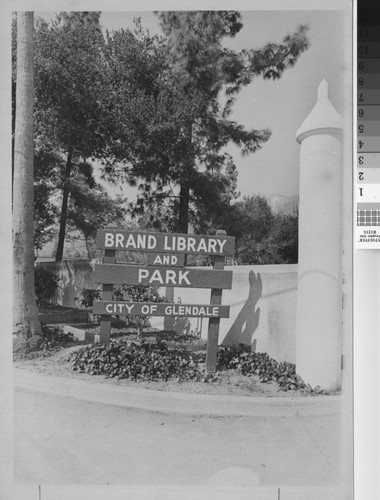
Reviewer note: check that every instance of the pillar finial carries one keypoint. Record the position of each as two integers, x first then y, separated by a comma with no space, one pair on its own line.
323,118
323,90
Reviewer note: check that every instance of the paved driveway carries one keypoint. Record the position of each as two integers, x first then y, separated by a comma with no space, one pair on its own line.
62,440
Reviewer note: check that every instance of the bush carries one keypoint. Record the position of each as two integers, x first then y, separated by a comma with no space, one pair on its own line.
138,293
145,361
88,296
45,284
40,346
181,324
156,361
241,358
133,293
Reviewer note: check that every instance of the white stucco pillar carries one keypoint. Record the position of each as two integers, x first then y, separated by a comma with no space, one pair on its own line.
319,293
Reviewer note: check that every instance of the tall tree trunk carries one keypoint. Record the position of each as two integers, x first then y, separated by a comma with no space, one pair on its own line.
183,216
25,313
184,193
65,202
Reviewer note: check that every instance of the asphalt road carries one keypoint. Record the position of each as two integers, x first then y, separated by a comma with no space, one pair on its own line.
62,440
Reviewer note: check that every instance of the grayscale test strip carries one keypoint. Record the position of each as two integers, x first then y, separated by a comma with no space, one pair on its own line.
368,125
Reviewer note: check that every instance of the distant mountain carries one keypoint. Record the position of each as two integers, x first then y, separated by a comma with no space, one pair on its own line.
283,204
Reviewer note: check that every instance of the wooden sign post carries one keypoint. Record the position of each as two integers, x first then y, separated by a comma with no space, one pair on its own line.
107,294
214,323
165,267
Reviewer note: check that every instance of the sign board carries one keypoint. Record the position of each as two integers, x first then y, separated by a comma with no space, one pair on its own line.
160,309
137,241
165,267
119,274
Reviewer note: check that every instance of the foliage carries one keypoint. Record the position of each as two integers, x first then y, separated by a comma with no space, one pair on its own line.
261,236
40,346
138,293
250,222
281,244
45,284
200,68
181,324
155,111
135,64
239,357
91,207
88,296
154,361
68,113
153,214
170,124
204,68
170,337
145,361
68,82
132,293
48,164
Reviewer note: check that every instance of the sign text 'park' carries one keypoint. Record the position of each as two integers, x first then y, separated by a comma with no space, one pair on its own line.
119,274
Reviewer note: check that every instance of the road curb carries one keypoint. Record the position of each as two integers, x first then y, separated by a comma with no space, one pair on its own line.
177,402
199,492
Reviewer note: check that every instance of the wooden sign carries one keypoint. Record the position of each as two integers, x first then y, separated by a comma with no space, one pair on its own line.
160,309
113,239
119,274
165,267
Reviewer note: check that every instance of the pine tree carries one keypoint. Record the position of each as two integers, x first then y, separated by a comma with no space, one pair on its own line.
68,85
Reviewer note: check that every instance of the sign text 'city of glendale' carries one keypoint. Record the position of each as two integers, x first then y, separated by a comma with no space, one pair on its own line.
160,309
113,239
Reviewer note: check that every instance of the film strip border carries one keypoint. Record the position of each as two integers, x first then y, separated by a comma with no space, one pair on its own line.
367,193
368,214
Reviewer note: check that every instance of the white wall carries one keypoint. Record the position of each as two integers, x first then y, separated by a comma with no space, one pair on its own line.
262,309
74,275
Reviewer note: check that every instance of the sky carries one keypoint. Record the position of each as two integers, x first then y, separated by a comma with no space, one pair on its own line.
280,105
